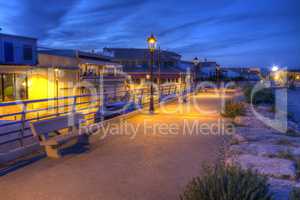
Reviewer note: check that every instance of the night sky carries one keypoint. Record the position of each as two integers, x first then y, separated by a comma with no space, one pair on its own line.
232,32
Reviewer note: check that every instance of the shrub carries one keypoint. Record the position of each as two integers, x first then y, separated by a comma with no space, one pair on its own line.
284,142
227,183
295,194
264,96
233,109
297,161
292,133
286,155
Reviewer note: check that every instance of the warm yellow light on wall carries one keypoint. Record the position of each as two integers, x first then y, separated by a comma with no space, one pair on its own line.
40,87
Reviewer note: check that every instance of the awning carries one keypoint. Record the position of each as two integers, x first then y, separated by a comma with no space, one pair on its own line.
19,69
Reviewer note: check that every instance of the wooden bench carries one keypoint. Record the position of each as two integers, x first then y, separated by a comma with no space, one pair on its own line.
49,135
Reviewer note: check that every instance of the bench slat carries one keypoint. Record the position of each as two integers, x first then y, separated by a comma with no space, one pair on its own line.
59,140
47,126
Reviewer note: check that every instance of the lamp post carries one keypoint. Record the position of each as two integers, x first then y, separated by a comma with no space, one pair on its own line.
196,62
218,75
276,74
152,45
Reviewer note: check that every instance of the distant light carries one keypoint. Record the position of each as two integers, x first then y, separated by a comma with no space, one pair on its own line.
148,77
275,68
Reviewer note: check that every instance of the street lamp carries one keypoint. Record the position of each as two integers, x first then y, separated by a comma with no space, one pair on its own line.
151,45
196,62
275,68
218,75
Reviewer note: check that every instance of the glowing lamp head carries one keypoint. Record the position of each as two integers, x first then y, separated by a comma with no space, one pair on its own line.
152,42
275,68
147,76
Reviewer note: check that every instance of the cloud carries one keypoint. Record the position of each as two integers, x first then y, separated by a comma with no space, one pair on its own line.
37,17
227,19
232,42
190,27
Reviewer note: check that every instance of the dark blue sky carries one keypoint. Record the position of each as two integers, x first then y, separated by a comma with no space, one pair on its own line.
232,32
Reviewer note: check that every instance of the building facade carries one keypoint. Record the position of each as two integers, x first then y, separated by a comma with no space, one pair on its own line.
82,70
136,63
26,73
18,55
206,70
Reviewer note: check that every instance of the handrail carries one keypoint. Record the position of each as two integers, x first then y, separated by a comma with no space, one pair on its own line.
26,115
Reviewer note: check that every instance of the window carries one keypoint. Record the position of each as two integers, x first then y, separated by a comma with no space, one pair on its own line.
13,87
8,52
27,52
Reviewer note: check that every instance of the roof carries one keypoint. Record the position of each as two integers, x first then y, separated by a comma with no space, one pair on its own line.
294,70
17,36
15,68
134,53
187,62
144,69
75,53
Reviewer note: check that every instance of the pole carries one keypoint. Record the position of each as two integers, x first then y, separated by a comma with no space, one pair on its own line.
57,111
159,73
151,106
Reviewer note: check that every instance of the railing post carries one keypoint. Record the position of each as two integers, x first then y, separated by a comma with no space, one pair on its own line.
23,124
142,97
74,105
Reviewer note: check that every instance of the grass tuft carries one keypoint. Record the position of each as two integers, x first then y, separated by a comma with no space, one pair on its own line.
227,183
233,109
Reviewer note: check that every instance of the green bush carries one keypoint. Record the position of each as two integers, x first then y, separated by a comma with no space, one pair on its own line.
233,109
227,183
264,96
287,154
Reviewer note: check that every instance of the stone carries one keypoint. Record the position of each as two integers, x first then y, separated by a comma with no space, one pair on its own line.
266,135
281,188
258,149
294,127
238,139
243,121
264,149
274,167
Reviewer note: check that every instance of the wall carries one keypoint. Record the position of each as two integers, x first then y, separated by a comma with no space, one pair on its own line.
46,60
49,83
18,44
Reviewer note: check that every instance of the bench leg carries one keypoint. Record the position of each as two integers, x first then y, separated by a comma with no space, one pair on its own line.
52,151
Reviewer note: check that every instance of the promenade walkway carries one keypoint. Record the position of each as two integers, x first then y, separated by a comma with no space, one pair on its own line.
148,162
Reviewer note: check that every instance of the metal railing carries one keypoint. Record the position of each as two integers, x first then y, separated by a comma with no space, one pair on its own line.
16,116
